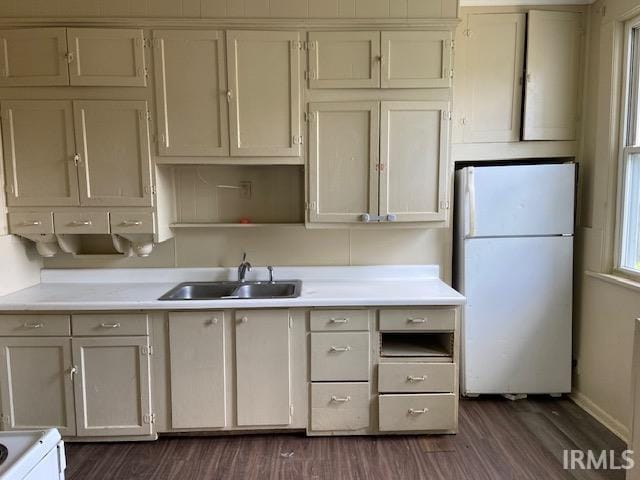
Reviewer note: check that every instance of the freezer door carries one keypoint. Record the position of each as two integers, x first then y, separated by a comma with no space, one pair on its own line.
517,320
518,200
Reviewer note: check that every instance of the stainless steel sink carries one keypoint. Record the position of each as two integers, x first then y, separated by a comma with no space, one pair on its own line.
233,290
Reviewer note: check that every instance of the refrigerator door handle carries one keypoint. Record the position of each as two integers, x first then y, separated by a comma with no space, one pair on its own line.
471,199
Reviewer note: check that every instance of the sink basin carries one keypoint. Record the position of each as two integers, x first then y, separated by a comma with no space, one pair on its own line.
233,290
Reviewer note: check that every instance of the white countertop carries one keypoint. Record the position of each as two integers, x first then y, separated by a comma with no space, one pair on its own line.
139,289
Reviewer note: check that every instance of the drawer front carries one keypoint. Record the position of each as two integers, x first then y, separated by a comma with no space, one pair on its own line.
425,319
31,222
94,222
416,377
339,320
35,325
339,357
109,325
417,412
131,221
339,406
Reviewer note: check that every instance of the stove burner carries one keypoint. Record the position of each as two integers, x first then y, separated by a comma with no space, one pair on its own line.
4,453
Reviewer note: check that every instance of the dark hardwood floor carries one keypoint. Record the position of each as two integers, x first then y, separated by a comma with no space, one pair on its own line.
498,439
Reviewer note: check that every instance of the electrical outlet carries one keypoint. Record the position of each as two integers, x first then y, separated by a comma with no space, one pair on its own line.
245,190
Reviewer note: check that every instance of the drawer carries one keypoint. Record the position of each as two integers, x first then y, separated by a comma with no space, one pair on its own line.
339,320
339,406
95,222
31,222
339,356
35,325
131,221
417,412
427,319
109,324
416,377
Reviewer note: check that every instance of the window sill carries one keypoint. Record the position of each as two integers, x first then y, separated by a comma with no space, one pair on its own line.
616,280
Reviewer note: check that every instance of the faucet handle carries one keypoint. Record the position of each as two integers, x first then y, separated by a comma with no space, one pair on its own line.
270,268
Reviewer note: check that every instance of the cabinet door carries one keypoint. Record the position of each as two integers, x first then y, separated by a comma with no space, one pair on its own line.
106,56
494,82
263,384
113,140
343,161
197,360
414,160
191,88
416,59
344,60
39,151
33,56
264,93
112,388
553,60
36,385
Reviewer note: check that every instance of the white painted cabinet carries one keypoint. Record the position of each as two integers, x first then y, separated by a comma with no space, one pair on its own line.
112,388
493,103
191,92
552,78
264,93
112,138
197,370
36,385
39,149
263,383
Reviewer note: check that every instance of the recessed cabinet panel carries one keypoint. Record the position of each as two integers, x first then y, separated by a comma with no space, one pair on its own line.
39,150
264,93
33,56
416,59
35,384
112,387
113,142
106,56
191,91
553,61
494,82
343,160
414,155
344,60
197,360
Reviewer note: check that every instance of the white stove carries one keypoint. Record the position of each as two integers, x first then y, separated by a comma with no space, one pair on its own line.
32,455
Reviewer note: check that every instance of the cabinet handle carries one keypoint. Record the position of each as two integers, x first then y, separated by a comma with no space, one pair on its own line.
340,349
418,411
69,57
131,223
110,325
72,371
81,223
76,159
411,378
380,59
33,325
340,399
416,320
339,320
33,223
229,95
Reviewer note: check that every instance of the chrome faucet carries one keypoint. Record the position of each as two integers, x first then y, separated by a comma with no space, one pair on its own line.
270,269
243,268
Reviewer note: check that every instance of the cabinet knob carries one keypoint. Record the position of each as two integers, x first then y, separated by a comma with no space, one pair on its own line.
244,319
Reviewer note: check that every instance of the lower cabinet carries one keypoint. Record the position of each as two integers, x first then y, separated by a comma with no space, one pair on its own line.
339,406
418,412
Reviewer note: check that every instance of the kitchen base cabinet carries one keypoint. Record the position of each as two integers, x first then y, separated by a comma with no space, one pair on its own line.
417,412
340,407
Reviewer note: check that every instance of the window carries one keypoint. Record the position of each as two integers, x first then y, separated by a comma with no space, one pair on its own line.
629,214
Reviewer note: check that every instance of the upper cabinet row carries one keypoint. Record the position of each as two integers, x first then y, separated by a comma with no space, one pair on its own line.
527,88
72,56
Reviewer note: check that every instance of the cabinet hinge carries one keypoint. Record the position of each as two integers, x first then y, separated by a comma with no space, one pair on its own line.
447,115
148,43
290,322
298,140
147,350
146,72
291,409
453,44
9,188
309,75
467,32
309,116
444,204
5,419
310,206
148,112
451,73
149,419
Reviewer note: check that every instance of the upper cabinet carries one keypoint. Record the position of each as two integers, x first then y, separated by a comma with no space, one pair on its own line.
407,59
264,93
191,92
72,56
553,61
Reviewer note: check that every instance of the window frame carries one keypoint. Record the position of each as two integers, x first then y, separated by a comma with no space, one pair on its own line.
629,130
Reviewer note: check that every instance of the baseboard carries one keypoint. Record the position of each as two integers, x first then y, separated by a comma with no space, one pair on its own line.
617,428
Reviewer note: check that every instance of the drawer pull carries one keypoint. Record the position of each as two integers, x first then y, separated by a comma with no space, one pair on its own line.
340,399
340,349
339,320
33,223
80,223
411,378
33,325
418,411
110,325
417,320
131,223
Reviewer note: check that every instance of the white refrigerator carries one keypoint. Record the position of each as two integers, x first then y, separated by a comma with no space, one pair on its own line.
514,264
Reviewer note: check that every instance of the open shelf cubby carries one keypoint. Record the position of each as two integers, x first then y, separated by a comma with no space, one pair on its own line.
427,344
